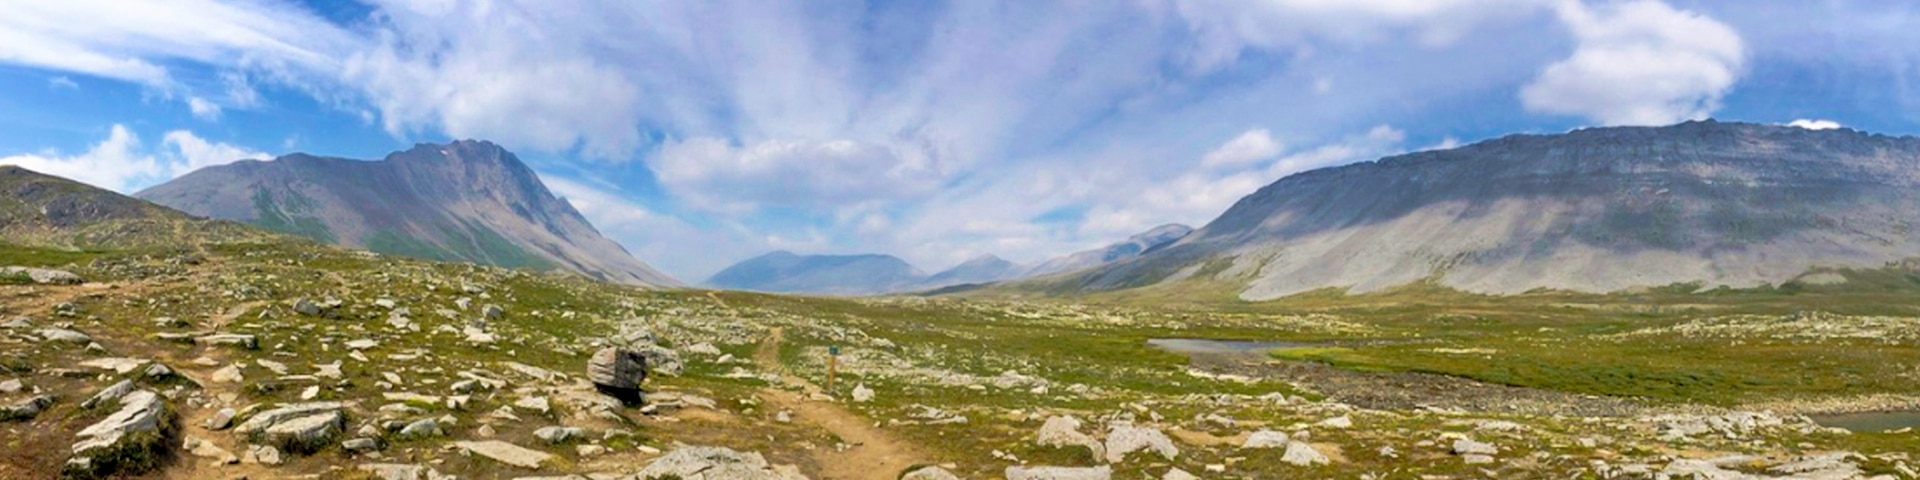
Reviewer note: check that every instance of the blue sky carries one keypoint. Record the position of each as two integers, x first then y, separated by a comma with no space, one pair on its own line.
701,133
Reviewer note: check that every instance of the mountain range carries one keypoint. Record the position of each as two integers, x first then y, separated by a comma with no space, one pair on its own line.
463,201
1595,210
786,272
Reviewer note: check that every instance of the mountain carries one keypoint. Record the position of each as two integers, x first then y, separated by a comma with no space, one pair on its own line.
785,272
981,269
47,211
1133,247
465,201
1595,210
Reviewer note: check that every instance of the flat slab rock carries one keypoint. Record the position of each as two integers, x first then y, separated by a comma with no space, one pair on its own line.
717,463
127,442
1059,473
507,453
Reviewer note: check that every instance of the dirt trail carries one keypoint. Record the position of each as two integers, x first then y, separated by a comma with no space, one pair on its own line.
874,453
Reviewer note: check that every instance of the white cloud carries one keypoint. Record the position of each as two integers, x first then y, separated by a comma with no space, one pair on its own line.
115,163
1639,63
132,41
808,174
61,81
1815,124
123,164
1223,29
189,152
203,109
1255,144
663,241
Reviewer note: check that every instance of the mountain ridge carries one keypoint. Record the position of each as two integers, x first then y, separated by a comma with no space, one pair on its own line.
1596,210
465,201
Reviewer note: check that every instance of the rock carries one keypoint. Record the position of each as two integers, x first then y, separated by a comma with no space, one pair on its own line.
1062,431
492,312
63,335
1342,421
1125,439
115,365
1178,474
299,428
1266,439
930,473
862,394
557,434
306,307
263,454
25,409
1059,473
248,342
276,367
703,348
128,442
617,370
1467,446
158,371
535,403
1476,459
11,386
1302,454
310,393
362,344
205,449
360,445
17,323
422,428
386,303
507,453
45,276
396,471
111,393
230,374
221,419
660,359
712,463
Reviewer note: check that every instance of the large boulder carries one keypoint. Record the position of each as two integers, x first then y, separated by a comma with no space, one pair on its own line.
44,276
617,368
1125,439
131,441
300,427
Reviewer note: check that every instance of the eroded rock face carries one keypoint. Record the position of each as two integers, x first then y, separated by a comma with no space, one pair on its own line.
130,441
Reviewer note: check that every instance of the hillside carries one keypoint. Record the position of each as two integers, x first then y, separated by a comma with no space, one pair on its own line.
1594,210
465,201
47,211
1134,246
785,272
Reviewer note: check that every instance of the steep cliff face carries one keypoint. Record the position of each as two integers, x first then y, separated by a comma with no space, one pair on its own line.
1597,210
465,201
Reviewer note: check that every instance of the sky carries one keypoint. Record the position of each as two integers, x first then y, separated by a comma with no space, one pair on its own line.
701,133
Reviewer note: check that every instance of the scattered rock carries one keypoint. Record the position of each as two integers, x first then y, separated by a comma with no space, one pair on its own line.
1467,446
45,276
1266,439
299,428
930,473
1178,474
618,372
557,434
1063,431
862,394
1059,473
422,428
248,342
63,335
25,409
713,463
508,453
360,445
111,393
262,454
230,374
396,471
1302,454
128,442
492,312
1125,439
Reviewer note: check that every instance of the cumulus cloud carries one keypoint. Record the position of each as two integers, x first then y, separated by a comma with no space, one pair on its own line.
1641,62
1814,124
792,173
203,109
1224,29
1255,144
122,164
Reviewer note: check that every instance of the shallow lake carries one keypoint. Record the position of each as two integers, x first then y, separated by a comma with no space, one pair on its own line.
1870,422
1208,345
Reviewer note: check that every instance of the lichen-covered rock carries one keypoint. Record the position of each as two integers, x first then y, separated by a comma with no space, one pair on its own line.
130,441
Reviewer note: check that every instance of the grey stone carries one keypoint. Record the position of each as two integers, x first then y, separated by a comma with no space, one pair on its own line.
1266,439
1059,473
506,453
1064,431
1125,439
127,442
557,434
63,335
422,428
360,445
46,276
26,409
617,368
1467,446
930,473
711,463
248,342
221,419
1302,454
111,393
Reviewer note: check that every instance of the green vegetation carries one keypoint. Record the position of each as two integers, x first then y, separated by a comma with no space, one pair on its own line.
287,220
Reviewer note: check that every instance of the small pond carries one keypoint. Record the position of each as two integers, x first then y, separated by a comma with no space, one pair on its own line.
1870,422
1191,346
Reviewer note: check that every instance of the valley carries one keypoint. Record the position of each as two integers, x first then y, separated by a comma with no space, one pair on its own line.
1419,382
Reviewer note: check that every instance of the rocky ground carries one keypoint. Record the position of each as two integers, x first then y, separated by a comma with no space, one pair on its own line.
285,360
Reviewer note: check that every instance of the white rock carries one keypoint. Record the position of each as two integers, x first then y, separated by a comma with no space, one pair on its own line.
506,453
1266,439
1467,446
862,394
1059,473
1064,431
1125,439
930,473
1302,454
712,463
